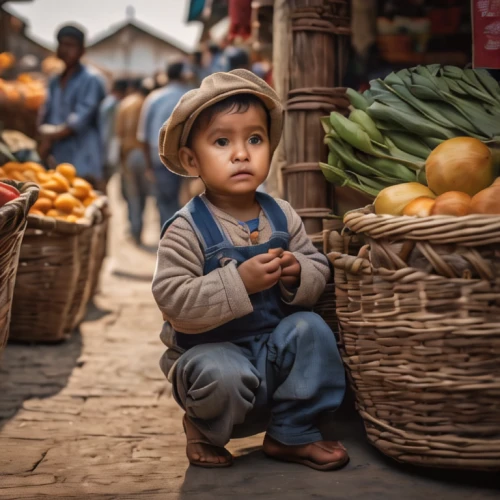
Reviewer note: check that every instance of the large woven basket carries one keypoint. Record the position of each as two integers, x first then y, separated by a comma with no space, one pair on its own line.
101,242
419,314
326,306
12,226
88,249
97,251
51,264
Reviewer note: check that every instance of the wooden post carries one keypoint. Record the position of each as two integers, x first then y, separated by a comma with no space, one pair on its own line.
281,52
317,43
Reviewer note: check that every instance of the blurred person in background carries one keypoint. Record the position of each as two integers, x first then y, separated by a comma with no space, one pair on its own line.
236,58
216,59
107,113
196,66
135,183
153,116
69,127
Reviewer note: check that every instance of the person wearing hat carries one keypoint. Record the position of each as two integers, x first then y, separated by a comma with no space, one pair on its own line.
69,123
236,279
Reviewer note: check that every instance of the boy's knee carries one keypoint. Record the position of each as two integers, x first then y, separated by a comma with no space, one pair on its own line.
213,368
303,325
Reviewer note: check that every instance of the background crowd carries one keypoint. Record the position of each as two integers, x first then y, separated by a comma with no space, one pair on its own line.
103,132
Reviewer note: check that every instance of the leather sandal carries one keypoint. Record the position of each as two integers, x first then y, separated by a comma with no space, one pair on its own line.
279,451
220,452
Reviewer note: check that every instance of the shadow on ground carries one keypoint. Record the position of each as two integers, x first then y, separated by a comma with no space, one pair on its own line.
369,475
39,371
30,371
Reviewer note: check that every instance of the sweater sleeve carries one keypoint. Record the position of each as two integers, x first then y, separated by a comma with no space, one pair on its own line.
315,271
190,301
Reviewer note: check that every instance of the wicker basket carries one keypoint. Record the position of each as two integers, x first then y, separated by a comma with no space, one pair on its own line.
47,281
419,314
101,230
12,226
97,251
326,306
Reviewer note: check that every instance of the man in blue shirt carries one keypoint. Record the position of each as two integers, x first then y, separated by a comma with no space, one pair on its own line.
69,122
156,111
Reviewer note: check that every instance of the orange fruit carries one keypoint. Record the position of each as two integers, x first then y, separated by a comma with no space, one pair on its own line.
32,165
47,193
79,192
34,211
66,203
11,166
82,185
67,170
42,204
17,176
30,175
56,214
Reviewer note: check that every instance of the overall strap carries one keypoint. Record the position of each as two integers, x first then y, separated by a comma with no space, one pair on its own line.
273,212
201,219
205,225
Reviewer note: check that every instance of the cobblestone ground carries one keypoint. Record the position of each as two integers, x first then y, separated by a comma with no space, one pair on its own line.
93,417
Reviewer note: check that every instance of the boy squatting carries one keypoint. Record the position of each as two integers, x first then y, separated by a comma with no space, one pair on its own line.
236,278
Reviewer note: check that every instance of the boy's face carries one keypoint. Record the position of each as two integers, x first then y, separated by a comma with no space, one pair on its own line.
232,153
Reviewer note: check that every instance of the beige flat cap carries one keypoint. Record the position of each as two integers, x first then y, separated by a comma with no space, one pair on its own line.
215,88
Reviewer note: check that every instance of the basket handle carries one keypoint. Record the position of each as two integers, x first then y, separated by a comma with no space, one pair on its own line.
351,264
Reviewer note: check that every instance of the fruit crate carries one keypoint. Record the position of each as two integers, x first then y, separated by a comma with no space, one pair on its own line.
12,226
419,315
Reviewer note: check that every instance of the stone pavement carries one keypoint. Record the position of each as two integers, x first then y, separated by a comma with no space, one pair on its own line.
93,417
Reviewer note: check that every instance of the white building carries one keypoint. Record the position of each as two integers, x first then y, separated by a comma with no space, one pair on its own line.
133,49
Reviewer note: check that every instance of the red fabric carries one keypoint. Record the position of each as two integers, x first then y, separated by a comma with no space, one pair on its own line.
240,14
486,33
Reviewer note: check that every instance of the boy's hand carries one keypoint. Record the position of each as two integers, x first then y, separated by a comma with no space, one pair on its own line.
260,272
290,270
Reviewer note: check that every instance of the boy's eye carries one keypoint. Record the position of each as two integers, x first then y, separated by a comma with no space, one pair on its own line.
222,142
255,139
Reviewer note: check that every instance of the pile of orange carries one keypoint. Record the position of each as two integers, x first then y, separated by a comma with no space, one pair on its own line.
25,91
7,60
63,195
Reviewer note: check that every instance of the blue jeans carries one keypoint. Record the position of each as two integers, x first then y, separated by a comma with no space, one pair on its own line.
167,192
282,382
136,188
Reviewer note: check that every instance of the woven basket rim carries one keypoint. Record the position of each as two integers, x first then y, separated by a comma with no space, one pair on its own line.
469,230
13,214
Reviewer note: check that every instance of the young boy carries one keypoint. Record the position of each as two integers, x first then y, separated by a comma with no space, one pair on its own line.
236,278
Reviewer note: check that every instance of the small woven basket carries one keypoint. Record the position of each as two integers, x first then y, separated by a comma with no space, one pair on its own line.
49,279
419,315
12,226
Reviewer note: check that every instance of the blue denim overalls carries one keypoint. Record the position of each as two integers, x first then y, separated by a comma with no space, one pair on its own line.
276,368
268,307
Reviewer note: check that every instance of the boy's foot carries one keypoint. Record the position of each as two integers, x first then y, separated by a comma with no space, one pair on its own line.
321,455
201,452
